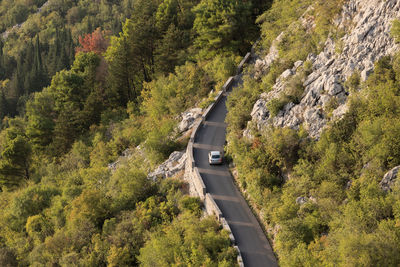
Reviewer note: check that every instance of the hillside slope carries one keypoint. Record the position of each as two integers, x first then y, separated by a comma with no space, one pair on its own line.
365,26
82,82
313,131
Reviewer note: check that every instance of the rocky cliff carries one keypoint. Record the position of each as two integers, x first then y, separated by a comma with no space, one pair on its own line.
366,27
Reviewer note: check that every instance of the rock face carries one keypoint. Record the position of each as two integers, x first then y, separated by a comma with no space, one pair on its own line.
366,41
174,164
301,200
262,65
389,178
188,119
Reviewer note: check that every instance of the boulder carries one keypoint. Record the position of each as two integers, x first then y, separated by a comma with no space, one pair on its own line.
365,74
188,119
260,111
174,164
286,74
301,200
312,199
297,64
389,178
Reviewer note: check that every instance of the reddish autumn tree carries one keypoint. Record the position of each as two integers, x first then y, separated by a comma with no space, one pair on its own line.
93,42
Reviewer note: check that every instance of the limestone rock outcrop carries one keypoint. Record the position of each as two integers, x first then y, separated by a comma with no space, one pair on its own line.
367,25
174,164
389,178
301,200
188,119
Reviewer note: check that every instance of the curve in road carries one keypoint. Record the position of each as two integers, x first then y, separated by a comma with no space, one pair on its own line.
254,246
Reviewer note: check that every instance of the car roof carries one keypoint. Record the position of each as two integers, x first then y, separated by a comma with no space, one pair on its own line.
213,153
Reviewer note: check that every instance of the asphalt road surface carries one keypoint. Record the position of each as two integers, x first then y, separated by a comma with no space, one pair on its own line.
254,246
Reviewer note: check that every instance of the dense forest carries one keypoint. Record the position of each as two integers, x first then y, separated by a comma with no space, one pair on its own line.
344,217
82,81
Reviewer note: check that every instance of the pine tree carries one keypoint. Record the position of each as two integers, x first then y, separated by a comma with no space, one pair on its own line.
61,53
2,61
41,116
27,67
168,49
122,72
70,47
16,85
131,55
220,26
14,155
38,64
3,106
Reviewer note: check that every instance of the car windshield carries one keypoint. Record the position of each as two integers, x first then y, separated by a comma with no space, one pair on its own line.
215,156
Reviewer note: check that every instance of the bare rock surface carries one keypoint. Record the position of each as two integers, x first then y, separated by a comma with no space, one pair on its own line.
301,200
188,119
174,164
367,39
389,179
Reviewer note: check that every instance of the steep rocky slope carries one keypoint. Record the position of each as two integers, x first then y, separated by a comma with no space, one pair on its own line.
366,27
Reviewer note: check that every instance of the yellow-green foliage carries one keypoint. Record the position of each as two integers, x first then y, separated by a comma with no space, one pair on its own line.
299,38
275,105
325,12
347,218
395,30
188,241
241,102
170,95
61,202
353,82
296,43
279,17
208,101
221,68
91,216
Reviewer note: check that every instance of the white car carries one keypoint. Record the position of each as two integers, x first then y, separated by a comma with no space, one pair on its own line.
215,157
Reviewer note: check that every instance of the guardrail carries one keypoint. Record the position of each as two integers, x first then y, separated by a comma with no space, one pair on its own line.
212,207
228,83
244,61
211,106
239,257
197,182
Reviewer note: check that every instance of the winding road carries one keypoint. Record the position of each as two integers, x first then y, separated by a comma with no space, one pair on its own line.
254,246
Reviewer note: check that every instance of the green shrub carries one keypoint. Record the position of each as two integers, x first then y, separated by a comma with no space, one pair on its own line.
353,82
294,89
275,105
331,106
307,67
208,101
279,17
395,30
296,44
275,70
241,101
